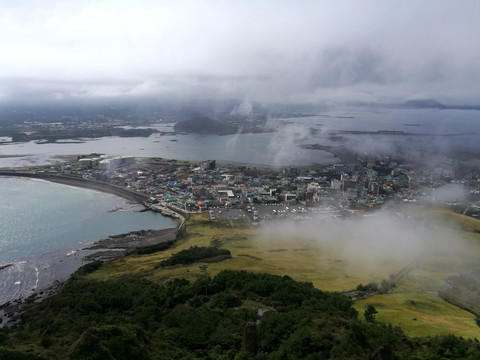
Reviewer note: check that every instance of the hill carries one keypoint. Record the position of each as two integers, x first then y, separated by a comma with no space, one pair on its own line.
266,251
433,104
205,125
424,104
234,315
187,300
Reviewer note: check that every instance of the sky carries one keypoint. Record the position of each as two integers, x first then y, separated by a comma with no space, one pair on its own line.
304,51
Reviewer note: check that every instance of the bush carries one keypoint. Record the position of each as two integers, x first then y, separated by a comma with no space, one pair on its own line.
154,248
367,288
370,312
193,254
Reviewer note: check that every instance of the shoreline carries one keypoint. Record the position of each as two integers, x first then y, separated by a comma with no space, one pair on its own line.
105,187
79,182
36,277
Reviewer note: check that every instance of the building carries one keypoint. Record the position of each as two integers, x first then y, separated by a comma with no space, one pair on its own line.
208,165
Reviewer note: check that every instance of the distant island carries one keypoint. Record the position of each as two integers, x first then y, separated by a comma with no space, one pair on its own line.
206,125
434,104
424,104
53,135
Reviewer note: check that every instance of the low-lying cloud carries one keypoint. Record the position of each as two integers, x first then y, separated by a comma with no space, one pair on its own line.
385,236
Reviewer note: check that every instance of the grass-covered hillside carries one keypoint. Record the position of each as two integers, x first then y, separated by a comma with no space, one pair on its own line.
303,258
234,315
226,290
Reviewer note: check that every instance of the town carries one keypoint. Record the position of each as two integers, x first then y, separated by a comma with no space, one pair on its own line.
257,194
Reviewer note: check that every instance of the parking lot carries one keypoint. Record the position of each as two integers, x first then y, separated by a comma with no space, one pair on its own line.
228,214
262,212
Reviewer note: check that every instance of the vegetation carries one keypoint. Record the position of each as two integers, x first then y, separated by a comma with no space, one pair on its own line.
193,254
421,315
234,315
154,248
205,125
252,250
370,287
52,135
193,308
370,312
256,250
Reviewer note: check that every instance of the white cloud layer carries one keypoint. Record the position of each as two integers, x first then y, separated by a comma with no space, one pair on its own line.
264,50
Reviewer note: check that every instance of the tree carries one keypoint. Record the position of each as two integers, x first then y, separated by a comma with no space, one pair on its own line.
370,312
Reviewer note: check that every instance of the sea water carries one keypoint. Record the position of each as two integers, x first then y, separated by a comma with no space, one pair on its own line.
281,147
43,225
39,217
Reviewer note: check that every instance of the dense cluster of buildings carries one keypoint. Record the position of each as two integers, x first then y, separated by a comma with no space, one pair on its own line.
343,188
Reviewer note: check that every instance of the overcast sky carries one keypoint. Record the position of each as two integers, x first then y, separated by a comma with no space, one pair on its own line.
280,51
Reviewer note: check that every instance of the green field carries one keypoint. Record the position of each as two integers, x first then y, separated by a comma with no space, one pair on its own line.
421,315
327,267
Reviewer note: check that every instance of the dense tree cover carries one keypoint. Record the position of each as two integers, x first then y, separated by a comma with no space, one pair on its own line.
193,254
235,315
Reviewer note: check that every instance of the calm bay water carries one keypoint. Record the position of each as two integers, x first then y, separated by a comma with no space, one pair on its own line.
39,217
279,148
43,224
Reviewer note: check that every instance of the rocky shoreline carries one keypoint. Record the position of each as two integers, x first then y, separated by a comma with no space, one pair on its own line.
60,268
52,270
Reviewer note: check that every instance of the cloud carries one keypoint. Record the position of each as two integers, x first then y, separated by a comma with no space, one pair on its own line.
243,109
266,51
450,193
381,238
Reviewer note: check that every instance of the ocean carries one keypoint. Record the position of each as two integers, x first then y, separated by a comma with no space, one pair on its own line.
38,216
42,222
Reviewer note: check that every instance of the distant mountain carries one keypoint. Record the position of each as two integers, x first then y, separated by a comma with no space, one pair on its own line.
205,125
424,104
434,104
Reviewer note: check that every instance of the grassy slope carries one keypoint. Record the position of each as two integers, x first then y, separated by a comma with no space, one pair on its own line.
421,315
326,269
250,250
433,315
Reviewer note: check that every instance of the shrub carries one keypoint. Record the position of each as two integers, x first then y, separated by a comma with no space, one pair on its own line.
193,254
